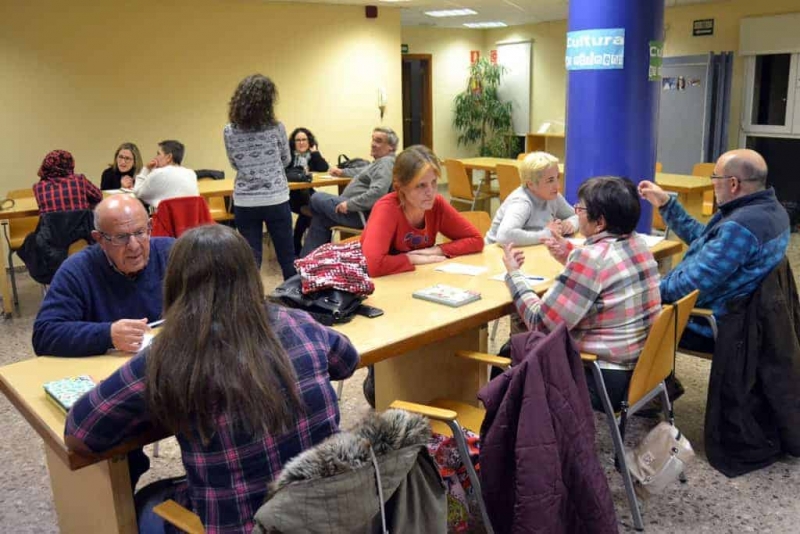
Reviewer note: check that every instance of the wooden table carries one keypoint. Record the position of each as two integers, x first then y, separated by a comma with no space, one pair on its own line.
27,207
411,346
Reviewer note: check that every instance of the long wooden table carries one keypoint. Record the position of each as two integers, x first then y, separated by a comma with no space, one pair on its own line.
27,207
411,346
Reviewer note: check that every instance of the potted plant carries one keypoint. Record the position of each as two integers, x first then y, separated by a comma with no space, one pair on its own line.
480,116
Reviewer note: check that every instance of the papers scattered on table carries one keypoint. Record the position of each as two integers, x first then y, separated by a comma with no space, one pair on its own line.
461,268
652,240
532,278
577,241
117,191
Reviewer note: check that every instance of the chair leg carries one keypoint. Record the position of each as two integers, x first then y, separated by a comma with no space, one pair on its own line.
494,329
619,447
339,389
155,449
13,277
461,443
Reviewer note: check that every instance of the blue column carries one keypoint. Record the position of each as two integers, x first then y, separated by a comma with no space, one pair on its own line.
612,112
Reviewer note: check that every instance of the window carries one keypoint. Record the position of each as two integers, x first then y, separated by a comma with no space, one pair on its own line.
771,95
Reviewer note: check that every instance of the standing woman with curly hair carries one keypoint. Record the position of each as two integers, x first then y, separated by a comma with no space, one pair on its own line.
258,149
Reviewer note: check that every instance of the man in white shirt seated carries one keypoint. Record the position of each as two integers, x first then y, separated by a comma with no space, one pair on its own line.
164,177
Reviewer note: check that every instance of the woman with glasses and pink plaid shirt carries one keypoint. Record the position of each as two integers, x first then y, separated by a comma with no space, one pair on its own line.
608,293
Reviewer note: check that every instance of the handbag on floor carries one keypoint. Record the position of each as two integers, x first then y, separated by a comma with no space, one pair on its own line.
659,459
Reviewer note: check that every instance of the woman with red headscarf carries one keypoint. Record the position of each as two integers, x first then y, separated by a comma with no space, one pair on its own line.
60,189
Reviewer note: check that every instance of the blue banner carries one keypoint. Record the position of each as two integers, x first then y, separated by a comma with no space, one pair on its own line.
596,49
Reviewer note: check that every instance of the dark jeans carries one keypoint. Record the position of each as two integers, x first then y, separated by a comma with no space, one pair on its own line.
148,498
691,340
299,199
323,206
616,385
278,219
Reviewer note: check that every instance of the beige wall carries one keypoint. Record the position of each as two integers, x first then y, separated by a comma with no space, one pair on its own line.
449,49
85,76
548,98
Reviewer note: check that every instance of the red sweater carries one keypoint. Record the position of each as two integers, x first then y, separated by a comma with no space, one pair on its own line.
389,235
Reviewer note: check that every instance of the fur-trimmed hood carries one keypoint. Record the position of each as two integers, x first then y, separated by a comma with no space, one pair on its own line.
389,431
333,488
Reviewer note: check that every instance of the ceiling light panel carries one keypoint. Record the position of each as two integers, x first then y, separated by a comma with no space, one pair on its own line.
451,13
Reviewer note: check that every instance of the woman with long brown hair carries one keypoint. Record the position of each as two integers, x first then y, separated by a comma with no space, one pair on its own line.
243,384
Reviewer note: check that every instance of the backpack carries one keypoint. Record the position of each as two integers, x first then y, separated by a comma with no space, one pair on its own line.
347,163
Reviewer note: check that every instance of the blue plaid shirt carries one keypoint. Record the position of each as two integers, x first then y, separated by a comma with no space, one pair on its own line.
226,480
730,256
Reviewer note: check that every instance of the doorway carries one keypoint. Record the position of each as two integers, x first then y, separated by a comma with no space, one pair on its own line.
417,100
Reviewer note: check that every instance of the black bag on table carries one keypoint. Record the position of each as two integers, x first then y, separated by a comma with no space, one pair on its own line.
327,306
346,163
297,174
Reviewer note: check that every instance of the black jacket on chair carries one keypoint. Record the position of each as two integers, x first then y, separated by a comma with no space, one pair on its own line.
44,250
753,407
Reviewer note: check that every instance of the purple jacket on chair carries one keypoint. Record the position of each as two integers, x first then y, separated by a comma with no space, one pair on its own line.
539,467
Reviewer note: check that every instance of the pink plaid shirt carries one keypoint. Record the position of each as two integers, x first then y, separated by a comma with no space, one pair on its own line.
607,295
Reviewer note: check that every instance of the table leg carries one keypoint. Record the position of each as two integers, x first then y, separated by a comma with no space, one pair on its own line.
96,499
432,371
5,287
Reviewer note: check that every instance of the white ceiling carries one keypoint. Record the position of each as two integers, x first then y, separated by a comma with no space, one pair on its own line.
512,12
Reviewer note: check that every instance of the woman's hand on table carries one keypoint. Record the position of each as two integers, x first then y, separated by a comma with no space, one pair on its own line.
556,227
567,228
335,171
512,259
426,255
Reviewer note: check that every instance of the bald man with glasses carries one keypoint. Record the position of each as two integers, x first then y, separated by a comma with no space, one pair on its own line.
104,297
730,256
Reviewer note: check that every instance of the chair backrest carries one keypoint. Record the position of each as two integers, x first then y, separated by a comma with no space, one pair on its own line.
458,183
657,357
20,227
684,309
77,246
176,215
659,167
507,179
479,219
703,169
215,203
522,155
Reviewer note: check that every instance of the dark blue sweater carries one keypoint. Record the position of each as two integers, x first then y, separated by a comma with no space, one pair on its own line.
87,295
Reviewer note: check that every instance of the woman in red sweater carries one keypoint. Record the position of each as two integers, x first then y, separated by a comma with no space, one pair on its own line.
403,225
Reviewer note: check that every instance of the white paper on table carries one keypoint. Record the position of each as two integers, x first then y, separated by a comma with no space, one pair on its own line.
461,268
577,241
532,278
652,240
146,340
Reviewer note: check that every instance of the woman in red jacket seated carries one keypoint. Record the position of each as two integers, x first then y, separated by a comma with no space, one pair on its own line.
403,225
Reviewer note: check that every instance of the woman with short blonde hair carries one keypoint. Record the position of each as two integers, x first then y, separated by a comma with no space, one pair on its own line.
536,210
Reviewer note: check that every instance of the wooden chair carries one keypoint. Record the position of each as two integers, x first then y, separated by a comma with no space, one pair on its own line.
522,155
449,416
218,207
460,186
507,179
15,232
709,203
346,232
655,364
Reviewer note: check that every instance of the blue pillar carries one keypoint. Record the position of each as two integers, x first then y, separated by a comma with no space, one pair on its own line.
612,112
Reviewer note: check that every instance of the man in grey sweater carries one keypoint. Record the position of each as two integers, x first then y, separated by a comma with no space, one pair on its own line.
352,207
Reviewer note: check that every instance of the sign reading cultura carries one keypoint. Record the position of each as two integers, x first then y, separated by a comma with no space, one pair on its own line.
596,49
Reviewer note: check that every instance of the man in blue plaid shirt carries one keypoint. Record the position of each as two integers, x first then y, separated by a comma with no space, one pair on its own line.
730,256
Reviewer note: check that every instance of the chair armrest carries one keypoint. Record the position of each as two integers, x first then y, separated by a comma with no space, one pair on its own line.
179,517
708,316
585,357
482,357
430,412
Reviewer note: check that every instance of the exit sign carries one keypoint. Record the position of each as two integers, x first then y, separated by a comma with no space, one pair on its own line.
703,27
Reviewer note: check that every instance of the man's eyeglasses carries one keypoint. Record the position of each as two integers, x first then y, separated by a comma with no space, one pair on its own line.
578,208
121,240
720,176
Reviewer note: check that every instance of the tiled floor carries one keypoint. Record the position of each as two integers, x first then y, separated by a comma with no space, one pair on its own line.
764,501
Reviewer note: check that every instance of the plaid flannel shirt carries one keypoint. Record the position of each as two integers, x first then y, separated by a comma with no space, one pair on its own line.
226,480
66,194
607,295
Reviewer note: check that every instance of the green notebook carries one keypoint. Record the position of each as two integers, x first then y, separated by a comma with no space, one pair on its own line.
63,393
